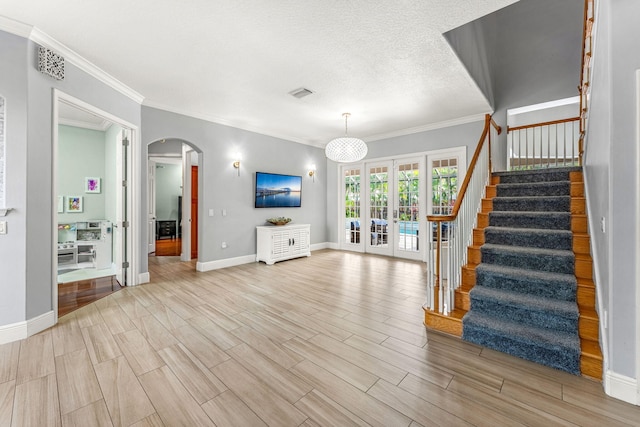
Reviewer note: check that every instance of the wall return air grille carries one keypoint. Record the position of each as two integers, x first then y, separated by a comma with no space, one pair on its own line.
50,63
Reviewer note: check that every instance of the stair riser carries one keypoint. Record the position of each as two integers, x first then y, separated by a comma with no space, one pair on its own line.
543,204
586,296
524,315
562,241
538,262
444,324
588,328
528,189
559,358
581,244
560,291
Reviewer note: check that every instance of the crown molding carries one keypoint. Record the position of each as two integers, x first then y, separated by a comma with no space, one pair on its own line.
428,127
44,39
225,122
15,27
36,35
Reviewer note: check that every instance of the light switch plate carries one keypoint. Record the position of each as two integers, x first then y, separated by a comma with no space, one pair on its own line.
3,227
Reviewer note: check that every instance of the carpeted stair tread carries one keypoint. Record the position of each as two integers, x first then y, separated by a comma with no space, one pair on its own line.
539,175
535,203
521,189
557,349
527,309
528,219
552,260
541,283
532,238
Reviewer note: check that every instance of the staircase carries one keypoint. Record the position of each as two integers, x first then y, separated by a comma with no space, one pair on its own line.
527,289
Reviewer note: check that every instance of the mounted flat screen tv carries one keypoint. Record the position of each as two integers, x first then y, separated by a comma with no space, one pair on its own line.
278,191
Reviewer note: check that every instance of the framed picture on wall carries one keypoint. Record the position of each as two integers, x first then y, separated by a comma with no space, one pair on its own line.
60,204
74,203
91,184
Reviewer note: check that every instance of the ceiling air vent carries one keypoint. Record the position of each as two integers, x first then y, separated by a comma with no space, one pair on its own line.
300,92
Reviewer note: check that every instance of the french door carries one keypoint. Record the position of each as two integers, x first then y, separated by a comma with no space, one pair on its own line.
382,204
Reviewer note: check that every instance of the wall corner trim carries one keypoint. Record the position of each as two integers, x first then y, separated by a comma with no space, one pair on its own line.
621,387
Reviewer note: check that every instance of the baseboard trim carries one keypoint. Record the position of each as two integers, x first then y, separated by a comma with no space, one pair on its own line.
621,387
320,246
21,330
143,278
224,263
245,259
332,245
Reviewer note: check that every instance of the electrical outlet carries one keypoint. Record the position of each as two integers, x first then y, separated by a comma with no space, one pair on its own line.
602,225
224,245
3,227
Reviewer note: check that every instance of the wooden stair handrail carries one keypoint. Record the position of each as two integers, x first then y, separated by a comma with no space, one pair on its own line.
488,122
553,122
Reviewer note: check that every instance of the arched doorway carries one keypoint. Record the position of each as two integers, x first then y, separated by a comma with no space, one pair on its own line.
173,194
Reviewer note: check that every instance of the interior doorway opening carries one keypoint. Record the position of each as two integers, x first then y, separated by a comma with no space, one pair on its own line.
93,217
173,193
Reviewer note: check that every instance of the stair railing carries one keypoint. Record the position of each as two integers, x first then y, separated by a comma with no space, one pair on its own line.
585,72
544,145
453,233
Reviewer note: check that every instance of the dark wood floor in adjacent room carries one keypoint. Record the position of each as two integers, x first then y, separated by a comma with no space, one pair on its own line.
168,247
73,295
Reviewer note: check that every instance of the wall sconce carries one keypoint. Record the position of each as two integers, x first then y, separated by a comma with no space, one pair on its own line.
236,164
312,172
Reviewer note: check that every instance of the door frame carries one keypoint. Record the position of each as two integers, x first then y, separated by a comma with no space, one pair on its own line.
133,199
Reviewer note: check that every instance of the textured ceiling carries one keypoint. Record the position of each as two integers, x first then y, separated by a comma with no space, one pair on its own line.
234,62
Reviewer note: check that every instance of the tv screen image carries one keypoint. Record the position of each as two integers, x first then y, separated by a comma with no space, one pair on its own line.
278,191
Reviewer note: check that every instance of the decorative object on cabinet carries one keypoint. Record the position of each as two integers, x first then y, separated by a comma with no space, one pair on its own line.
74,203
280,220
91,184
281,243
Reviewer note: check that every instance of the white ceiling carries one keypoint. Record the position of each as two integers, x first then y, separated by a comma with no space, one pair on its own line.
234,62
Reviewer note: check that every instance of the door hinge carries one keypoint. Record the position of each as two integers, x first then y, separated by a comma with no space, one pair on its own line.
125,142
125,224
125,264
125,183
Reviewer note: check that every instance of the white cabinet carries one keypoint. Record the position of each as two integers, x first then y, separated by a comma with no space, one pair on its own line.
280,242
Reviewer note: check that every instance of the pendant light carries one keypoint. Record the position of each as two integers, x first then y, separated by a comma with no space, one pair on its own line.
346,149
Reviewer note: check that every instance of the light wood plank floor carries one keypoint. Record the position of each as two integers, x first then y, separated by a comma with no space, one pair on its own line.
334,340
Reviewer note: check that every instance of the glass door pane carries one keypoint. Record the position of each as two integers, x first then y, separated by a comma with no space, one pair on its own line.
444,183
352,221
407,214
379,201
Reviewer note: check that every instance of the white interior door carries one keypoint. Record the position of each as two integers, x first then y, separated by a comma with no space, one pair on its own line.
151,205
408,217
122,248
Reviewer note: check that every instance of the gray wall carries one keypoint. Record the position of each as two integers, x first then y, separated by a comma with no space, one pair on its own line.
26,268
612,169
221,188
466,135
81,153
13,251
